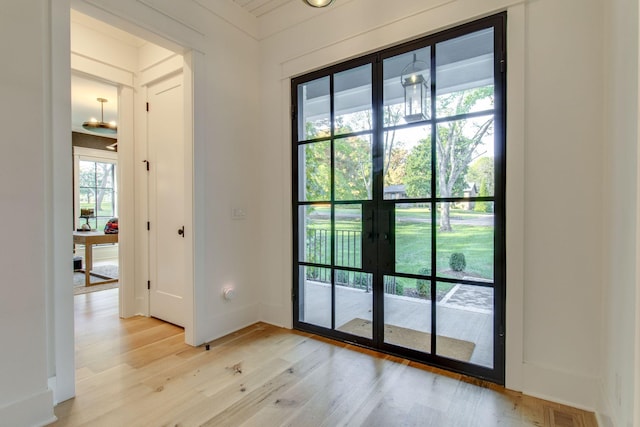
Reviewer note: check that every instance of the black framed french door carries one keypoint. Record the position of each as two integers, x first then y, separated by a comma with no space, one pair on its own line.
399,200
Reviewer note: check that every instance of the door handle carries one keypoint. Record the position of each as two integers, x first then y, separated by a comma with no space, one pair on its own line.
181,231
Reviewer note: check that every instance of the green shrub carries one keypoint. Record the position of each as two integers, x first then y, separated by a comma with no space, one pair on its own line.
423,286
399,288
457,261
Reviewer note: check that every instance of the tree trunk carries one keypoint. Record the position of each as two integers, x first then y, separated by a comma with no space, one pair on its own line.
107,171
445,223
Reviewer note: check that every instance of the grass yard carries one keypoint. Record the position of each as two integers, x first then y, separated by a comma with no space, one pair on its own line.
470,236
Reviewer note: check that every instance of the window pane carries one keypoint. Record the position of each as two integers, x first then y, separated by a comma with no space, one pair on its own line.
407,163
459,143
353,100
353,168
96,193
348,235
465,324
413,239
105,203
398,97
314,173
407,321
480,179
315,234
104,175
314,115
87,174
464,245
464,74
354,302
315,298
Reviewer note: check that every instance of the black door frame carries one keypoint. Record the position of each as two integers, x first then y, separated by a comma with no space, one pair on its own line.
379,246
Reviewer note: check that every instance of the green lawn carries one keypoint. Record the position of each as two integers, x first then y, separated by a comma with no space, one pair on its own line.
413,241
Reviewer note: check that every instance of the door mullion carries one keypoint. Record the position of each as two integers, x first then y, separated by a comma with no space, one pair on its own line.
434,160
333,201
378,195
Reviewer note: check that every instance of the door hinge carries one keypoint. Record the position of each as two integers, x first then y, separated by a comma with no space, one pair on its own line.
293,112
146,162
147,107
148,225
503,65
149,284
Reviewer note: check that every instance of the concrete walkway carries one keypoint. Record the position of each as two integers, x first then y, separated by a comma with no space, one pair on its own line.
465,313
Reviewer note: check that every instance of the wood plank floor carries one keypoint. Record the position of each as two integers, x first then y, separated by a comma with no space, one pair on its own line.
139,372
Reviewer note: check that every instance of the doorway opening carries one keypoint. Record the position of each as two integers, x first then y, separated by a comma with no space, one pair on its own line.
134,68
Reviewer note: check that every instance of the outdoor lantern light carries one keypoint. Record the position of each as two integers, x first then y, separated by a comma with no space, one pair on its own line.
416,90
100,126
318,3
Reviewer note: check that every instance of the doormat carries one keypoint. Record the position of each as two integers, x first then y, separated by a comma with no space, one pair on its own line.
448,347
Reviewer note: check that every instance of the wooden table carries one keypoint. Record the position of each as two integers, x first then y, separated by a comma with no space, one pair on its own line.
88,239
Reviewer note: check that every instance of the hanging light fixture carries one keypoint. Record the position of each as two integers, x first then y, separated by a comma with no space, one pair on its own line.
416,84
100,126
318,3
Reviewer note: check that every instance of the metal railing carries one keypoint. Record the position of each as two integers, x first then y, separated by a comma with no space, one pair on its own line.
348,253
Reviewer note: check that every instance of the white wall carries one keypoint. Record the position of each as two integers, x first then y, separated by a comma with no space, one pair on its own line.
559,336
25,118
620,226
563,199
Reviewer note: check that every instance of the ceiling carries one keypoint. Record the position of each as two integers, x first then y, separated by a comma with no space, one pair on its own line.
86,89
84,104
261,7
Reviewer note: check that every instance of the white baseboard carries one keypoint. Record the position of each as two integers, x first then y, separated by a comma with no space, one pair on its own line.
603,420
562,387
273,315
605,413
34,411
230,322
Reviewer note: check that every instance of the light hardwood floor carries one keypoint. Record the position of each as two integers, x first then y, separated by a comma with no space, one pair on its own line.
139,372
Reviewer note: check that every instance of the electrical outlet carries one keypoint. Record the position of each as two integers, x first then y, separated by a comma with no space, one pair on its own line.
238,213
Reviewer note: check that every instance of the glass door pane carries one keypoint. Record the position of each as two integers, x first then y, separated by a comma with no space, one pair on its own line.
465,323
407,313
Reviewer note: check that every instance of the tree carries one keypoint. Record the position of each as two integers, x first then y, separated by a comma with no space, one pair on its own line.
457,141
482,169
392,115
395,171
484,191
418,170
317,171
353,168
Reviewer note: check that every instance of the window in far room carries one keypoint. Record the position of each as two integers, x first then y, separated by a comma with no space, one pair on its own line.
95,198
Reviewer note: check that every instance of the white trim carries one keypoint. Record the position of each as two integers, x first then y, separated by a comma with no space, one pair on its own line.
515,191
126,196
92,153
562,387
92,67
193,174
60,208
34,410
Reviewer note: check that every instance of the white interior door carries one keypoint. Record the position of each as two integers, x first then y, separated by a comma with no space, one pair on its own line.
167,208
